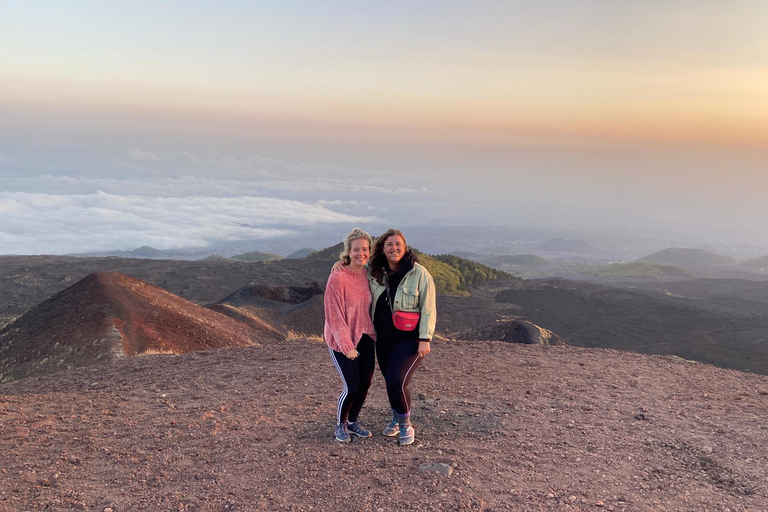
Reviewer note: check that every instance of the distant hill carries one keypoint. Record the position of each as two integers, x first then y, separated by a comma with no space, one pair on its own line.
687,257
257,256
146,251
564,245
639,269
757,263
301,253
108,316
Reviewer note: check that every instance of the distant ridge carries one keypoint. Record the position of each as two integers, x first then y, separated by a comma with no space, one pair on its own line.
639,269
257,256
687,257
301,253
146,252
107,316
757,263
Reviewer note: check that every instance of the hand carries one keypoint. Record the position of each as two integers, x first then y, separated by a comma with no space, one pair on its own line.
337,266
423,348
352,354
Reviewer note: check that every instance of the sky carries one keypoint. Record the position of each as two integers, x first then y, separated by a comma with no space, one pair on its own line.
177,124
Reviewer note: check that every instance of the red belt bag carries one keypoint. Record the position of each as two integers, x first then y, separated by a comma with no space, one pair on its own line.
405,320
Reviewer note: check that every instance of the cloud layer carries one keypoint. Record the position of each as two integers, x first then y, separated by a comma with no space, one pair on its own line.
49,223
85,201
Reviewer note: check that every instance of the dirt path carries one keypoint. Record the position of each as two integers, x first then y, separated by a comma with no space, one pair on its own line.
521,427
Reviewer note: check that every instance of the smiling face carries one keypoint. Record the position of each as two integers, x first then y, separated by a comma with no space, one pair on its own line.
394,250
359,252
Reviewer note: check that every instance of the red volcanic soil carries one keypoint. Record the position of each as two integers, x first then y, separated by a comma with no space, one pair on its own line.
519,427
107,316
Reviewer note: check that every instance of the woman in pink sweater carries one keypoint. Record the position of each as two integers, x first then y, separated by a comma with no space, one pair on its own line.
349,332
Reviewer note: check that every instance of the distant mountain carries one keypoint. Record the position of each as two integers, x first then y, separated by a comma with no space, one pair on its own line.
687,257
108,316
757,263
146,251
564,245
257,256
301,253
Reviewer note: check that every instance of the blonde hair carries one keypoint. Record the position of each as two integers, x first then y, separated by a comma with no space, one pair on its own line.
355,234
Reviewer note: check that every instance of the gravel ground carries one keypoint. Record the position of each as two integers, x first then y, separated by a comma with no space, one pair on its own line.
518,427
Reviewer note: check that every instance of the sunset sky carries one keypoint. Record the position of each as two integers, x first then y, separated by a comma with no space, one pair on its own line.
184,123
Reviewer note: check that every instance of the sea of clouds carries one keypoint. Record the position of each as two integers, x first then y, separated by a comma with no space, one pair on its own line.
63,202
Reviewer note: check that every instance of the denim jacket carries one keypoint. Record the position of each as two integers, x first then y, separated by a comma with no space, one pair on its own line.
416,292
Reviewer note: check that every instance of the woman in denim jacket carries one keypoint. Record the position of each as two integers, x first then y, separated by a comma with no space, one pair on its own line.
399,283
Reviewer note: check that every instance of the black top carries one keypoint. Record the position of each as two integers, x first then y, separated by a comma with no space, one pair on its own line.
382,318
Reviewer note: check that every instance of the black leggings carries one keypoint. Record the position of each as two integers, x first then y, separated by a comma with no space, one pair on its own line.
398,361
356,375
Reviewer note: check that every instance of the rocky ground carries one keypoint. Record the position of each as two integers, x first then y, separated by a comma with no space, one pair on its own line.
518,427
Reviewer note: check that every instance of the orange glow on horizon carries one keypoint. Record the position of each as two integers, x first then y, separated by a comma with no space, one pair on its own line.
415,120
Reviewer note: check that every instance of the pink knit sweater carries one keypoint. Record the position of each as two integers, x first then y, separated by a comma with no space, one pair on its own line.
347,310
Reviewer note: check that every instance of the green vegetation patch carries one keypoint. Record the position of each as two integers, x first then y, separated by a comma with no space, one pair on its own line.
453,275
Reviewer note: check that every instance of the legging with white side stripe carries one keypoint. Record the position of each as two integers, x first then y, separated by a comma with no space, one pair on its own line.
398,360
356,375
